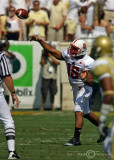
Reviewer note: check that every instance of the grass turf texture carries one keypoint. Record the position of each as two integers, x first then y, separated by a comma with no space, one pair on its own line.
41,135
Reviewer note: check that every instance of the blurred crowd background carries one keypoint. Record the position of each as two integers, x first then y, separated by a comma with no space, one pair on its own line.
57,20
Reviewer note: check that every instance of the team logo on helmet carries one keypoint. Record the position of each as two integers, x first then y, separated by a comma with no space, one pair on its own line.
84,45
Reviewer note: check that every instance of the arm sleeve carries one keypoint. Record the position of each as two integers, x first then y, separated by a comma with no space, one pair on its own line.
4,67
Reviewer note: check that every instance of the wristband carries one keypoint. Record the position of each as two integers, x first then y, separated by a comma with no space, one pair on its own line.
84,80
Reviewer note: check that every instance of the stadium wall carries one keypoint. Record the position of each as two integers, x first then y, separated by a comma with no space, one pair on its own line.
27,74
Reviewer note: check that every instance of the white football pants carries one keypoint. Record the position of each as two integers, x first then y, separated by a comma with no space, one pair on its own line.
5,115
81,97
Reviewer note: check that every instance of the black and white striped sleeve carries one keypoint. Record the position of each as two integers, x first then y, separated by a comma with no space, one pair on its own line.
4,67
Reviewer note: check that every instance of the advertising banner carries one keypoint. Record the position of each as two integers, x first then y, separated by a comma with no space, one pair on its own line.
27,74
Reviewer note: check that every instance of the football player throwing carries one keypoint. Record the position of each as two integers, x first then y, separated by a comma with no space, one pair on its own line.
76,61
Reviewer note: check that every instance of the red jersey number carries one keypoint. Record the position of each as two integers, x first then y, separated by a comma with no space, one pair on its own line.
74,71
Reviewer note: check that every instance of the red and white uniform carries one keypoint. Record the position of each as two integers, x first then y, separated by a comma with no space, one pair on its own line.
81,91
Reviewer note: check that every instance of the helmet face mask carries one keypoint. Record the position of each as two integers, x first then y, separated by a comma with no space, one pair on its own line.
73,51
77,48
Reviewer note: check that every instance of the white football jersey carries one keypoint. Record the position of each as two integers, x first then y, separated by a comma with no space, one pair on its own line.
75,67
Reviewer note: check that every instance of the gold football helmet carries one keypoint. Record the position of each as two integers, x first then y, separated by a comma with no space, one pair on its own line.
102,46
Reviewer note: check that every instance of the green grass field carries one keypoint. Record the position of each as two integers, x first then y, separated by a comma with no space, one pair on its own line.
41,135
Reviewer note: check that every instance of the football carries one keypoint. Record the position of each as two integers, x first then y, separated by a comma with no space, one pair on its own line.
22,13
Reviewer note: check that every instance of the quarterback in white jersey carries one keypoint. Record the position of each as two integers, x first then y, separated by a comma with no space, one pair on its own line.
76,61
75,66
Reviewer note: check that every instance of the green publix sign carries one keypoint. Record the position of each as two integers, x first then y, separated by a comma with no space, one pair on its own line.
23,68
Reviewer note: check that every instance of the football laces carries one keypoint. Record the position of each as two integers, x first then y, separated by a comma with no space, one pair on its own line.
20,14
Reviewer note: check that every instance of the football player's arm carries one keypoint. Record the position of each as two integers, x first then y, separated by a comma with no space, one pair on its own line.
108,93
57,54
87,77
106,84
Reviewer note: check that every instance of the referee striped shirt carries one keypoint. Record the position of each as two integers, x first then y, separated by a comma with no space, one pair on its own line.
4,69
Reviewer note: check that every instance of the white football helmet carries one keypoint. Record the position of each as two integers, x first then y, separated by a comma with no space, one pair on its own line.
77,48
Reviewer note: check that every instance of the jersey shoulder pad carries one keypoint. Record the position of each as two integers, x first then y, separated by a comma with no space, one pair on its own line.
100,67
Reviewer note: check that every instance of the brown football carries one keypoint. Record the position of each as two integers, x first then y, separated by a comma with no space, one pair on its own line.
22,13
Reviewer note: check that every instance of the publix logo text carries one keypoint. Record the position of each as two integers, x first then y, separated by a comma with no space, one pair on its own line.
24,92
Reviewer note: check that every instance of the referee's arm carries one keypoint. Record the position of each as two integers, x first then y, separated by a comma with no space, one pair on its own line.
6,76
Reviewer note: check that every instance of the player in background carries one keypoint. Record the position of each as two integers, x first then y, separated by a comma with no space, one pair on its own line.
76,61
5,115
103,70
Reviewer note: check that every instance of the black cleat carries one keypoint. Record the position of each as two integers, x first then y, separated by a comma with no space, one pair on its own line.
101,138
73,142
13,155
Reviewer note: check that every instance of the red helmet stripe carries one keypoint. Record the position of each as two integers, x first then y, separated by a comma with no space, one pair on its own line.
76,40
